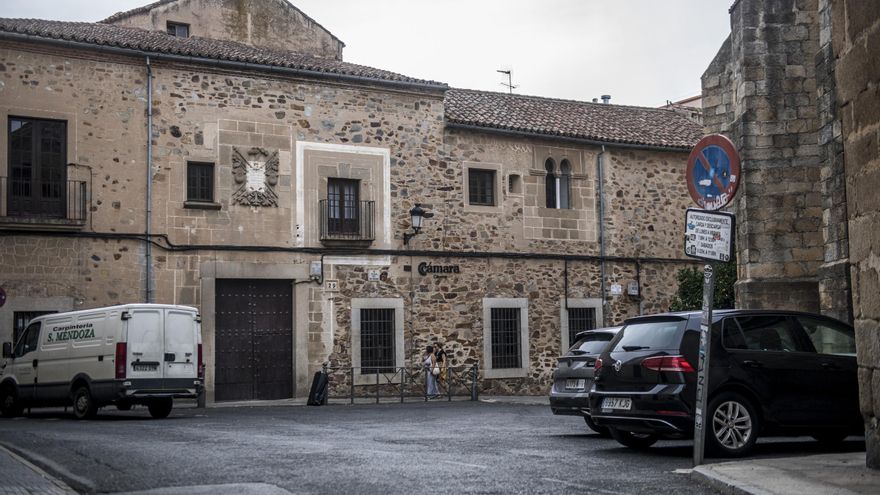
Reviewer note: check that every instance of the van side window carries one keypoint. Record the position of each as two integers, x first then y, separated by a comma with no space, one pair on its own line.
28,342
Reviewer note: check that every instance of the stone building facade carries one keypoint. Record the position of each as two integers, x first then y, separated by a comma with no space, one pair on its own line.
794,86
274,189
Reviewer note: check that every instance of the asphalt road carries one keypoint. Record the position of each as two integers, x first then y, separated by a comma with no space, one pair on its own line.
413,449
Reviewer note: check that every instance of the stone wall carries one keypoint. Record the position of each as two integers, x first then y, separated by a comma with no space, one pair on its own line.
265,23
761,91
855,36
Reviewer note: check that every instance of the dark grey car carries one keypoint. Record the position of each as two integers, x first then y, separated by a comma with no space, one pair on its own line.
573,377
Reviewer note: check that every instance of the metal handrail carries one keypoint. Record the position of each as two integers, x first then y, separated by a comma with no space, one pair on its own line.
344,220
39,199
457,378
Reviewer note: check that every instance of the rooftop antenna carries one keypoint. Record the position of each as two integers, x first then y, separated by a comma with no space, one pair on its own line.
509,84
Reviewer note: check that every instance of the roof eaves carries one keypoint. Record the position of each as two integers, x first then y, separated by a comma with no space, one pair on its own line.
583,139
178,55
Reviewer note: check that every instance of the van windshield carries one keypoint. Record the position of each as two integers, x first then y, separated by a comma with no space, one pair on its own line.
650,335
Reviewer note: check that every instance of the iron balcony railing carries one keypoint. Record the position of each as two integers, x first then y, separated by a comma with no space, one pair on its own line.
43,200
347,220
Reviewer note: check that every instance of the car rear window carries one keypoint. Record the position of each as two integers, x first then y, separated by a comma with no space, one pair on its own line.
591,344
650,335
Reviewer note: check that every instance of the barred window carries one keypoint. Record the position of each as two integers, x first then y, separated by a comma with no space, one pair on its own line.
580,319
506,345
377,340
200,182
481,187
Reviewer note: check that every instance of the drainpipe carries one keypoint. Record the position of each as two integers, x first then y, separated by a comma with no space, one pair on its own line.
600,191
148,255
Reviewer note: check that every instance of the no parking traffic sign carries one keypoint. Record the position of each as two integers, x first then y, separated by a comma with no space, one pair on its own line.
713,172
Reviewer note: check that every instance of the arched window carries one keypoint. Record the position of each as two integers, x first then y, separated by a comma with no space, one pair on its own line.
565,184
550,183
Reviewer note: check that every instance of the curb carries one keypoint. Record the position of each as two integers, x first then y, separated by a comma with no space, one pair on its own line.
16,455
726,485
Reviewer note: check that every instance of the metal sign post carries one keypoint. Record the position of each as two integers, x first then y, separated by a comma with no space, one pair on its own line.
703,364
713,173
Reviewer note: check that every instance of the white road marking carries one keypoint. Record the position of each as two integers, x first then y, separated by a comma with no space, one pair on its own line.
479,466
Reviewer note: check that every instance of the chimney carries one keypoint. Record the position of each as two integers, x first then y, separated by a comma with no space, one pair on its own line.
595,100
606,99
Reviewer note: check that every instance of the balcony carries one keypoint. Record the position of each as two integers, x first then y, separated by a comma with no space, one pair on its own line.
347,222
29,203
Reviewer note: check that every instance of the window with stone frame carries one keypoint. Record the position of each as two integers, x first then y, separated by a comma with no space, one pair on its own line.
557,185
505,337
177,29
481,187
200,182
579,320
377,340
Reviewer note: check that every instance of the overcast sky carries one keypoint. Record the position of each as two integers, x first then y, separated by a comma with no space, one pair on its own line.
641,52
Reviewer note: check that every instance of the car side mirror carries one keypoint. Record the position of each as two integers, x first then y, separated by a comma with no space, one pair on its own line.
7,349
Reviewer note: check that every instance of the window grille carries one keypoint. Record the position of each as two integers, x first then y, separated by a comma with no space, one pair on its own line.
506,345
580,319
481,187
377,340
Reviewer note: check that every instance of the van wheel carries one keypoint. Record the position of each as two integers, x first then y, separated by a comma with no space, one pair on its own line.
732,425
633,440
160,408
84,406
601,430
10,407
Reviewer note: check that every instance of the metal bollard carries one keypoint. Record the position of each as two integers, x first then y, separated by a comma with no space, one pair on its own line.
377,385
402,383
351,375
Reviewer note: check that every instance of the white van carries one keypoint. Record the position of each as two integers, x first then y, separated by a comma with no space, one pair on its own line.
122,355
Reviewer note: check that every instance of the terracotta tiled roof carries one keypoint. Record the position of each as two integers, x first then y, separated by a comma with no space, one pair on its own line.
161,43
146,8
571,119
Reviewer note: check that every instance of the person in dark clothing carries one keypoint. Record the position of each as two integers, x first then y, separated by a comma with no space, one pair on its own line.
440,358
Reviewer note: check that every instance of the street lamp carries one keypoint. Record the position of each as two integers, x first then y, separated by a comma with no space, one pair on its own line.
417,215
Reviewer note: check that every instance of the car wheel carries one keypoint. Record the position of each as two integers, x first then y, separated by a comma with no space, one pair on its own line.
633,440
601,430
84,406
160,408
830,437
733,425
9,404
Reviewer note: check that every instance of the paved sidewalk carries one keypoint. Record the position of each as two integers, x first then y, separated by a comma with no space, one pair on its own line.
826,474
20,477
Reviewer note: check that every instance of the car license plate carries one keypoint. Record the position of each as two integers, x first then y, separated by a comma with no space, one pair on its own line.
144,367
620,403
575,383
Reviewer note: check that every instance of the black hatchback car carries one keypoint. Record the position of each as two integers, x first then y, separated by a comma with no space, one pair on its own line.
573,377
770,373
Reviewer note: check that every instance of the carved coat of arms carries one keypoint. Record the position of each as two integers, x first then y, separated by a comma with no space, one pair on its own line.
256,174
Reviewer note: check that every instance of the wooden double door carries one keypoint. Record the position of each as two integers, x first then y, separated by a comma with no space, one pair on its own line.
253,339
